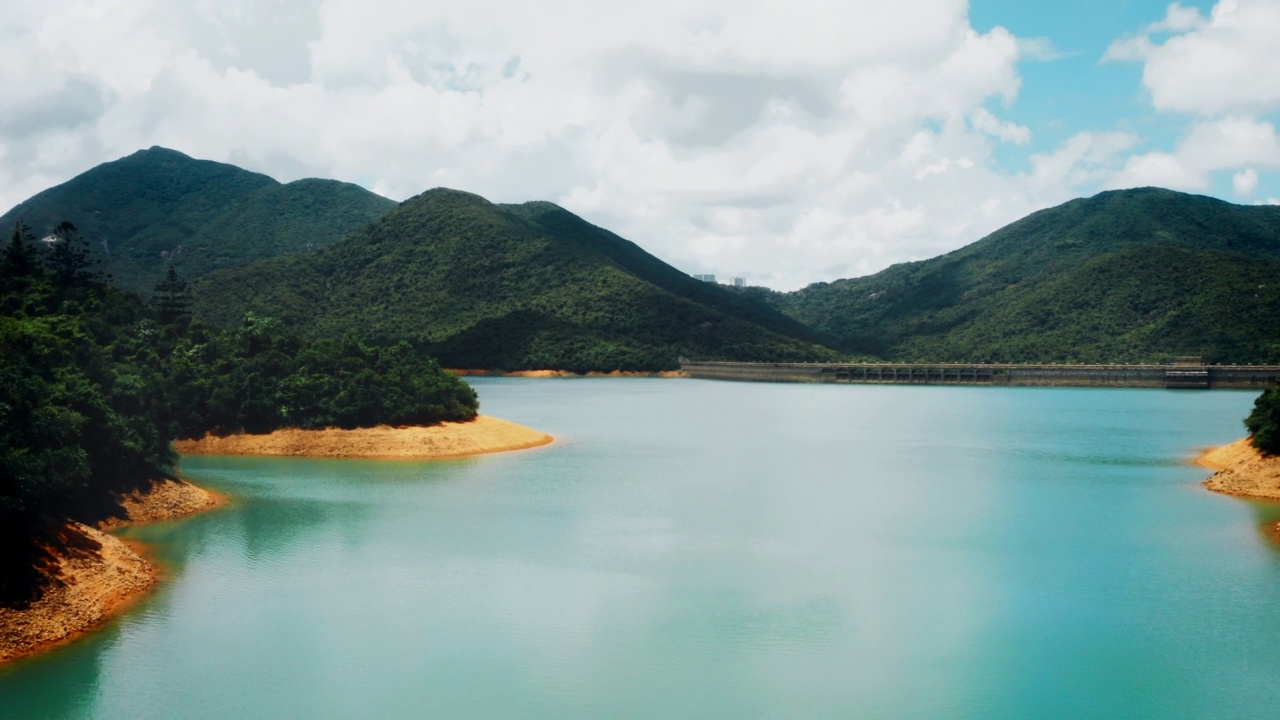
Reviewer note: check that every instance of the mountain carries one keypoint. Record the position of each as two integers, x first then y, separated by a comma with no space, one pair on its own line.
1125,276
158,206
509,286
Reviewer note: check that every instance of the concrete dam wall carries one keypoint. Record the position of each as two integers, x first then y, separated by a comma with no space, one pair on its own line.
1153,376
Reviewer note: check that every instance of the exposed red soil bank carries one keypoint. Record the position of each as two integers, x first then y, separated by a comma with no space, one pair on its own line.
448,440
92,585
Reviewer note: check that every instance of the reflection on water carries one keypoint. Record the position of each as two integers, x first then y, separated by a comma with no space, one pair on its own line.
694,549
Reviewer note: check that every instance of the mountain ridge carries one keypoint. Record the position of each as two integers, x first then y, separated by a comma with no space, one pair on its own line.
1019,292
1136,275
158,206
512,286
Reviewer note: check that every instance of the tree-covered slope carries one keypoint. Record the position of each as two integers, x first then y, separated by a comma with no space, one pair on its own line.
159,206
487,285
1124,276
95,383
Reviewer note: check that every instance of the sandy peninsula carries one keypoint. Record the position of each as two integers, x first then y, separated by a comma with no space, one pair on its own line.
565,373
483,435
1242,471
99,575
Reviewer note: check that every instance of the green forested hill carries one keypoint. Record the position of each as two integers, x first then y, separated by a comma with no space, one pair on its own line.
95,383
516,287
1124,276
159,205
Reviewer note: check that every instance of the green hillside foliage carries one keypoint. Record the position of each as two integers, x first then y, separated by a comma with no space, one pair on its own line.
1125,276
94,384
1263,423
513,287
159,207
258,377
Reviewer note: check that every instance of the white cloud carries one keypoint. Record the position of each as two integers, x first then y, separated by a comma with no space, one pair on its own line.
983,120
1245,182
1230,142
1208,147
1178,19
1085,159
1226,64
1041,49
1129,49
785,142
1159,169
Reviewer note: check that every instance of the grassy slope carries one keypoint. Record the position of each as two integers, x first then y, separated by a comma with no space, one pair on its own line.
505,286
1134,275
155,205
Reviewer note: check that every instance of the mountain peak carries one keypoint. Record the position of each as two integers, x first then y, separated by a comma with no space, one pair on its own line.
1134,275
159,207
443,197
156,152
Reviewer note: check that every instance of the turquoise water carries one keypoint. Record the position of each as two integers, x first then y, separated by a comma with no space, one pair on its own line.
704,549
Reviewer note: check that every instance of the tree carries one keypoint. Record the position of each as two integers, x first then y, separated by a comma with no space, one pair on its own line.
172,298
19,255
68,256
1264,422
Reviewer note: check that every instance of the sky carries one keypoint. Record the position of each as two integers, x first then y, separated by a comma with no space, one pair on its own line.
786,142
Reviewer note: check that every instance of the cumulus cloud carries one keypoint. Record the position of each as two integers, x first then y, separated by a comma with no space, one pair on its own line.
1222,71
1245,182
785,142
1225,64
1208,147
1178,19
1041,49
983,120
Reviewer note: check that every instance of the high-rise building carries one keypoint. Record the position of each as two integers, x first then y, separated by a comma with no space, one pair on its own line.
739,282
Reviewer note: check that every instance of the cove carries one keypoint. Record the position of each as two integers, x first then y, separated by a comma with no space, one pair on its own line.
710,549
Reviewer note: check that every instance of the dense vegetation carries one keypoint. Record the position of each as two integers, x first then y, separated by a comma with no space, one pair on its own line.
1125,276
513,287
158,207
95,383
1264,422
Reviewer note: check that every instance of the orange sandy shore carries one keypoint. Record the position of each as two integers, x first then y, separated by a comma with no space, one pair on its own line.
565,373
92,587
483,435
1242,471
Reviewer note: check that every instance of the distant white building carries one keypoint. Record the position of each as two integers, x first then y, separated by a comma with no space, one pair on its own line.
705,278
739,282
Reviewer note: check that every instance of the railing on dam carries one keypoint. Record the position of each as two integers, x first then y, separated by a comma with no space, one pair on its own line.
1158,376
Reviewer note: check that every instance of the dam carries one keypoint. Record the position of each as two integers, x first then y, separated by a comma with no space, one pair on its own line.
1183,373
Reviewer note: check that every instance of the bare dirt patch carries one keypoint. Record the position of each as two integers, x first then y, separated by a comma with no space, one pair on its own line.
90,587
565,373
1242,471
166,500
483,435
95,575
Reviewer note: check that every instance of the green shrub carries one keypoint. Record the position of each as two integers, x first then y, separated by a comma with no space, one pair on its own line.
1264,422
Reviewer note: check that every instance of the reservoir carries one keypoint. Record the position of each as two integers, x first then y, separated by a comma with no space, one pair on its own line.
701,549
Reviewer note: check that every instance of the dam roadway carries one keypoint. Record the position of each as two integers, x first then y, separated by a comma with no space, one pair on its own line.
1180,375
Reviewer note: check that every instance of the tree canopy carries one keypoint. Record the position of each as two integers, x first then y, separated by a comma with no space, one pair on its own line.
506,286
95,384
1264,422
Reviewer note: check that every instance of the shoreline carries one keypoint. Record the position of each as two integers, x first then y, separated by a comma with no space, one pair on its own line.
477,372
1241,471
94,586
481,436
